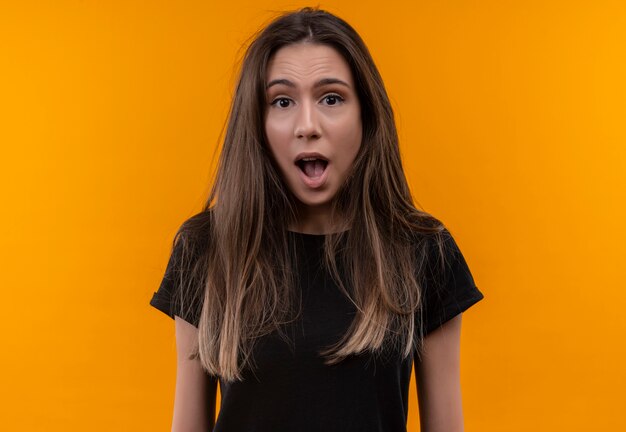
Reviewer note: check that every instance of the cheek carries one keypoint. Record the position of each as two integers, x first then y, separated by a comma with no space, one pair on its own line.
275,138
351,137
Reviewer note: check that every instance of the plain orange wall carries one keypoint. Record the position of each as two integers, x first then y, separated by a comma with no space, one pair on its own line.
511,117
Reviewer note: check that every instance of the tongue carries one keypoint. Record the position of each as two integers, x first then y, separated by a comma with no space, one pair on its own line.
313,168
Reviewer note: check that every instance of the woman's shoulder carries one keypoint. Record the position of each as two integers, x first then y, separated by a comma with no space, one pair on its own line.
439,256
197,223
426,229
434,245
196,226
194,234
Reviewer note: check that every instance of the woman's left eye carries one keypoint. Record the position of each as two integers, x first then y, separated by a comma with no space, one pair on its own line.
332,99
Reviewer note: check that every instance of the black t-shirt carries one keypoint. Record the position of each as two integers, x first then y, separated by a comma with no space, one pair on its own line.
290,388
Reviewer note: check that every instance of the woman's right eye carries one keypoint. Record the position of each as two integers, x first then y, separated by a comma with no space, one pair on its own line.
281,102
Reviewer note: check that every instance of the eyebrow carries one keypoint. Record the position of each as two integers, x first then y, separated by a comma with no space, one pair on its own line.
320,83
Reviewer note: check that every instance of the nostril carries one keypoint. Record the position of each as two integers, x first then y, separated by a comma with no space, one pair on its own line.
308,135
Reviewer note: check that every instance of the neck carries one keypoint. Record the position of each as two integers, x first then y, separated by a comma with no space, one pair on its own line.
314,220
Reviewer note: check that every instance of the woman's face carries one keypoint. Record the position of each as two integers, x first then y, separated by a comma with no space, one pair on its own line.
312,121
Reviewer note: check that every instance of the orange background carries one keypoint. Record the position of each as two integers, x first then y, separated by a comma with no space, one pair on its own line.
511,116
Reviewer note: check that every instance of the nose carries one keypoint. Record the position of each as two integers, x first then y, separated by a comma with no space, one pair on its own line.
307,122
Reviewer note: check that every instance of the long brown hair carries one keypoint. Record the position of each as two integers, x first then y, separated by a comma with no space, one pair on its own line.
237,249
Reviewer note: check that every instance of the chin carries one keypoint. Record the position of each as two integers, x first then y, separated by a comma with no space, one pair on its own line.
321,201
314,204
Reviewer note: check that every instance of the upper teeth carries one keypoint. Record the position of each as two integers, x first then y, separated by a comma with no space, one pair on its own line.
309,159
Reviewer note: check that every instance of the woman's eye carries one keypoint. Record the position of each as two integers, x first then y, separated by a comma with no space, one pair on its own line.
281,102
333,99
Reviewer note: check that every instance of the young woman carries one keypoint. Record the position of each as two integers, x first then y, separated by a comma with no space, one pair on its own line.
310,284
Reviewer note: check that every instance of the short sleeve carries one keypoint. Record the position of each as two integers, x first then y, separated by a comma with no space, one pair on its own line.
179,293
449,287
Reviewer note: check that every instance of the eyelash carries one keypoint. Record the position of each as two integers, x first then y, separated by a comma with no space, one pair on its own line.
330,95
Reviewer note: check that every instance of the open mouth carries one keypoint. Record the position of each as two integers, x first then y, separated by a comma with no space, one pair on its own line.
312,167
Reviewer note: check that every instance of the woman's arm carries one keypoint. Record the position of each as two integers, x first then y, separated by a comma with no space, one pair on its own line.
438,379
194,403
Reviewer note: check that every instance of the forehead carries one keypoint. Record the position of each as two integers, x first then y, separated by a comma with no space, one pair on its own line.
307,61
